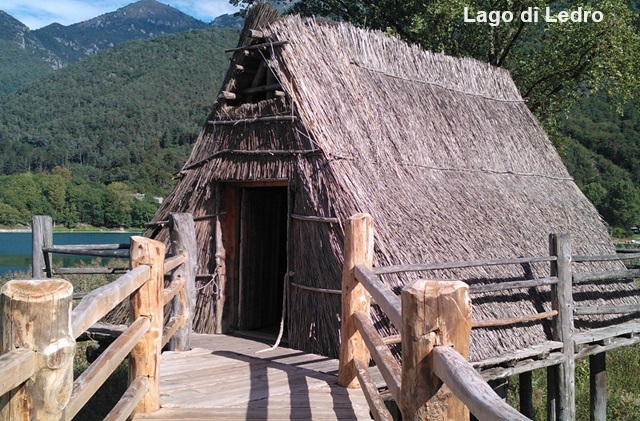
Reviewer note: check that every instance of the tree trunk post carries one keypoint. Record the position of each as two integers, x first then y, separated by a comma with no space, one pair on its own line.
36,315
562,394
358,250
183,240
526,394
598,386
433,313
41,236
147,302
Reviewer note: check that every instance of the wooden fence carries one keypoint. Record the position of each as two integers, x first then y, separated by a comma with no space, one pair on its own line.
434,318
39,331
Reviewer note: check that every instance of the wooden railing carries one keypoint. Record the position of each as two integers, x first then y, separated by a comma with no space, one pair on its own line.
40,329
434,320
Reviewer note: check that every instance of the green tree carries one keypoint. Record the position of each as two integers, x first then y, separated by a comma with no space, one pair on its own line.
119,204
549,61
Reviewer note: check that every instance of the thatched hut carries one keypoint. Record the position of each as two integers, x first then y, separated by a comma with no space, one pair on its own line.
317,121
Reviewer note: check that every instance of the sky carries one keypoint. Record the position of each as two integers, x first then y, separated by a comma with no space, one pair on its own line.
38,13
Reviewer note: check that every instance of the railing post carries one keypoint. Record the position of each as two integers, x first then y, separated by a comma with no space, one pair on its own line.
561,378
358,250
41,236
36,315
598,386
433,313
147,302
183,239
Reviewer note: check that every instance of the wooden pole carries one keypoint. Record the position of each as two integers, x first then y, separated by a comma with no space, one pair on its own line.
598,386
562,396
147,302
526,394
41,236
183,240
36,315
358,250
433,313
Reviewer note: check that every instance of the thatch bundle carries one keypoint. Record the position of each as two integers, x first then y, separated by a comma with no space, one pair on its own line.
443,152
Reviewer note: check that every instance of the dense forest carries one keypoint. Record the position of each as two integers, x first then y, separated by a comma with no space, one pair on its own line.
114,124
114,127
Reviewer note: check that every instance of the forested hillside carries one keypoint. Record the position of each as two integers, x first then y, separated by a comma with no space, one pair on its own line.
122,121
27,54
114,124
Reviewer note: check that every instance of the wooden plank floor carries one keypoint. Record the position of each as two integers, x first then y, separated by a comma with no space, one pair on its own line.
225,378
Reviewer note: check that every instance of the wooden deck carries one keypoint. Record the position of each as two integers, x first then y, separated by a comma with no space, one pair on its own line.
224,378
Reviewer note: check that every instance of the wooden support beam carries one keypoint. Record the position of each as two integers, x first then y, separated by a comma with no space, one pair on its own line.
37,316
96,304
525,381
93,377
383,296
514,320
588,310
358,250
182,232
385,361
147,302
89,271
598,387
376,404
504,286
266,119
465,382
605,258
174,323
257,46
561,378
433,313
15,368
173,262
129,400
579,278
174,288
254,33
41,237
460,264
227,95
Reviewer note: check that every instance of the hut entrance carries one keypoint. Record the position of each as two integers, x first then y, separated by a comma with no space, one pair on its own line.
263,258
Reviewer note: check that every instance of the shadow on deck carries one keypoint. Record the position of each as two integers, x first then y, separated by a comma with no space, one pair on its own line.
224,377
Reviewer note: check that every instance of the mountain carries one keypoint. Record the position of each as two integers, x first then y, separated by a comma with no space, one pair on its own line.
26,55
144,19
228,21
111,116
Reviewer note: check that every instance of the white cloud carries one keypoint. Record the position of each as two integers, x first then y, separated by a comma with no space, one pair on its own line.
38,13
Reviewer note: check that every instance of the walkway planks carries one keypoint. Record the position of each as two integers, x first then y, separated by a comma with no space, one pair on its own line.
223,378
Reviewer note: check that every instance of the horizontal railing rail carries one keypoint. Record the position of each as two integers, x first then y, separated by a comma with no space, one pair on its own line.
143,340
431,316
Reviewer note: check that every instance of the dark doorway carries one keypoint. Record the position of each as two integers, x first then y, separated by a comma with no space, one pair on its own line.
263,258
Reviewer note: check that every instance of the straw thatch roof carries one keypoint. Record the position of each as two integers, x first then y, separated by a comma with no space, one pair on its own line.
443,152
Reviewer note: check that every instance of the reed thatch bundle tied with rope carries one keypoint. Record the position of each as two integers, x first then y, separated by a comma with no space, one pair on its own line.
317,121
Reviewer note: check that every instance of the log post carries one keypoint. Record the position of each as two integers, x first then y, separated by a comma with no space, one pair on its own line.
526,394
41,236
358,250
598,386
561,378
36,315
433,313
147,302
183,240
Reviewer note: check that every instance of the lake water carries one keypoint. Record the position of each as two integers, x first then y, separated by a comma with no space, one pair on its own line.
15,248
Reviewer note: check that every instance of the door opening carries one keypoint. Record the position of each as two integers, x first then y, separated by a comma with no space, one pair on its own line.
263,258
